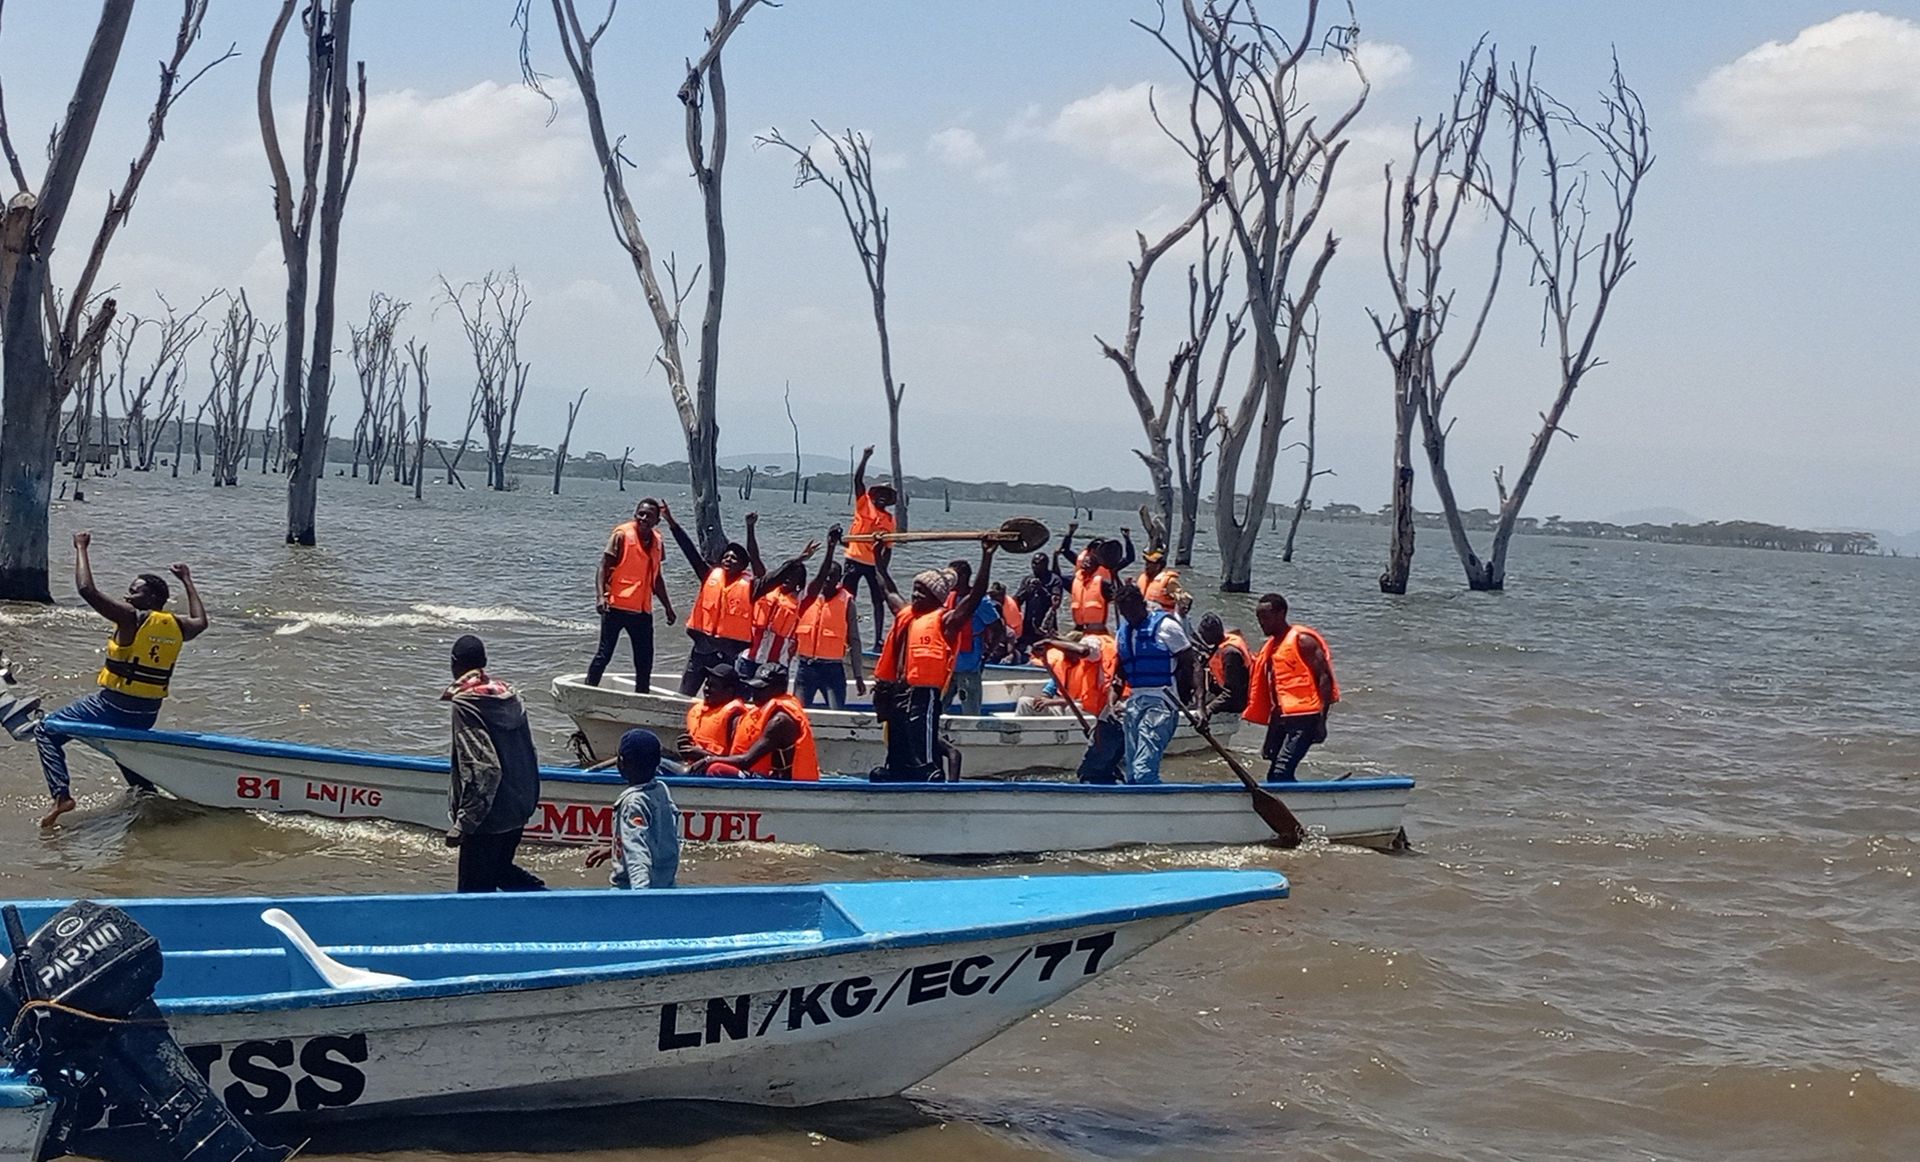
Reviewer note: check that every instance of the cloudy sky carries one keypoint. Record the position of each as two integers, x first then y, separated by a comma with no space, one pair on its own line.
1754,365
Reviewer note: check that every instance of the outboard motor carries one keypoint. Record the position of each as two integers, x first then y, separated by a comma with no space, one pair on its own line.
80,1017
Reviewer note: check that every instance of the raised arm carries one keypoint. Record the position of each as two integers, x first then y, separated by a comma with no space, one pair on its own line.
691,551
125,618
195,622
1065,551
1126,558
883,565
753,545
860,472
957,618
771,581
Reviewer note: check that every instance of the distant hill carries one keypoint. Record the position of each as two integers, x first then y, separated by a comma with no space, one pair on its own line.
1905,544
1654,516
809,463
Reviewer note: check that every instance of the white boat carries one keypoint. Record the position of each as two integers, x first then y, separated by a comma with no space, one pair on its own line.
999,742
25,1116
354,1006
837,813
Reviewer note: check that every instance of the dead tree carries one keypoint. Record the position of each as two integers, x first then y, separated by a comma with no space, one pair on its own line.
1448,163
703,96
560,452
179,433
176,333
46,338
1203,379
492,321
1554,222
329,154
795,425
867,223
1274,166
85,392
267,430
622,471
242,359
382,376
417,355
1309,474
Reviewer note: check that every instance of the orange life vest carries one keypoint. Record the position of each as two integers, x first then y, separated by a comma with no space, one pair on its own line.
928,651
1217,664
630,583
712,727
822,631
868,517
1087,681
1281,679
1158,589
778,612
1010,613
724,608
803,761
1090,599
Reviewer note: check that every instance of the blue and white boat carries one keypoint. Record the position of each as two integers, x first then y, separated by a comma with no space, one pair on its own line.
353,1006
837,813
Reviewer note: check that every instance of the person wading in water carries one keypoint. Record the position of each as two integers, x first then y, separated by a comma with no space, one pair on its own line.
872,513
496,775
916,663
625,586
721,624
1290,690
141,654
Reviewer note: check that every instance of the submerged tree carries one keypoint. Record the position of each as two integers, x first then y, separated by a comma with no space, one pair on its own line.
329,154
560,452
1309,473
703,96
383,384
242,359
417,355
867,224
491,312
46,338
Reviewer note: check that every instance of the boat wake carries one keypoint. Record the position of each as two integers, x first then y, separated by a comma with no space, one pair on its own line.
422,614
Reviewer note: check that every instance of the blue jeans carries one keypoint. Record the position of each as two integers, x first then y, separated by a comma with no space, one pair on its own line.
1148,721
102,706
826,678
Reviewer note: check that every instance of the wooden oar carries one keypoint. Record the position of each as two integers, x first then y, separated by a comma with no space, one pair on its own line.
1275,814
1021,534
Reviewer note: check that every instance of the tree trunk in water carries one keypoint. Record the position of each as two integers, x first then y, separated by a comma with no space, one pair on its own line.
27,430
1400,546
1189,522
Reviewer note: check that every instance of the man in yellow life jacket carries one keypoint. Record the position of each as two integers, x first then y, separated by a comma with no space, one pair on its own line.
625,587
141,653
721,623
872,513
774,740
1290,689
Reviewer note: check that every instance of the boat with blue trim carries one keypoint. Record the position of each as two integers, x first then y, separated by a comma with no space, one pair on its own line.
839,813
996,742
365,1006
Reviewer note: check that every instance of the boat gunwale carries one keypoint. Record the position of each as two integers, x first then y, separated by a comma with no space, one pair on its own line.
340,756
1273,885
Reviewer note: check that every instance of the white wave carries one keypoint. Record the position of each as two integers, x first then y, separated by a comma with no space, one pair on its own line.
29,615
423,614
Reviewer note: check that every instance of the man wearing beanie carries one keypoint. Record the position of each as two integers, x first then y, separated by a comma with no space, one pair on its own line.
496,775
646,824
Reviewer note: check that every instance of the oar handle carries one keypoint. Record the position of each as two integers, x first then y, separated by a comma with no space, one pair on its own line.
896,538
1078,716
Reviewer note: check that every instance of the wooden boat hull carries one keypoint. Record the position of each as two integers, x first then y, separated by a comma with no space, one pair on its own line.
767,996
839,814
852,740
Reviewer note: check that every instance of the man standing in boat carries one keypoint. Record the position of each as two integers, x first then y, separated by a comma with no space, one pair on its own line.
827,640
1290,689
1156,664
916,661
721,624
496,775
872,513
1039,595
969,657
141,653
625,587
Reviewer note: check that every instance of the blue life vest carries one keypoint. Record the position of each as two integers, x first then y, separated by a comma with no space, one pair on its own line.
1144,661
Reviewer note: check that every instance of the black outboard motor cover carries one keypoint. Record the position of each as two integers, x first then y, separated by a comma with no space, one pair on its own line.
80,1015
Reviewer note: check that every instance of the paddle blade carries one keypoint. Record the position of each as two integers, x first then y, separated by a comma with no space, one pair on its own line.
1275,814
1111,553
1024,535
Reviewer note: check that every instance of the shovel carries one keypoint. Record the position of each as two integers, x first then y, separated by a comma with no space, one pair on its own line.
1021,534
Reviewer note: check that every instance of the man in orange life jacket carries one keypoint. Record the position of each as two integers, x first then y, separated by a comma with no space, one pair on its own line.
828,638
1290,689
721,624
1082,667
1094,582
969,657
916,663
625,587
775,738
1229,667
141,653
714,717
872,513
776,612
1160,584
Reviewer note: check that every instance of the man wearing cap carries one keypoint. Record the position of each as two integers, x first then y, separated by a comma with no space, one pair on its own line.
1158,584
916,664
714,718
774,739
496,775
646,824
872,513
1039,595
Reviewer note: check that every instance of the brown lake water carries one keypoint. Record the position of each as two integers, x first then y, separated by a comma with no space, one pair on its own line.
1663,903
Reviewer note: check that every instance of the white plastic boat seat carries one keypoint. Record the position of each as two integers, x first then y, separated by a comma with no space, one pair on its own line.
310,967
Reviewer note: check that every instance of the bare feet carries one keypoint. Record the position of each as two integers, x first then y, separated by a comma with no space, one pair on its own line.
61,806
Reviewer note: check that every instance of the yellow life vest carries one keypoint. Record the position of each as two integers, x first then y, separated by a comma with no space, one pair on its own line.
144,668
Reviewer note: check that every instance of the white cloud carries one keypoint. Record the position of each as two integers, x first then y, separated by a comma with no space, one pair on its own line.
1116,125
1850,83
1328,80
490,141
959,148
